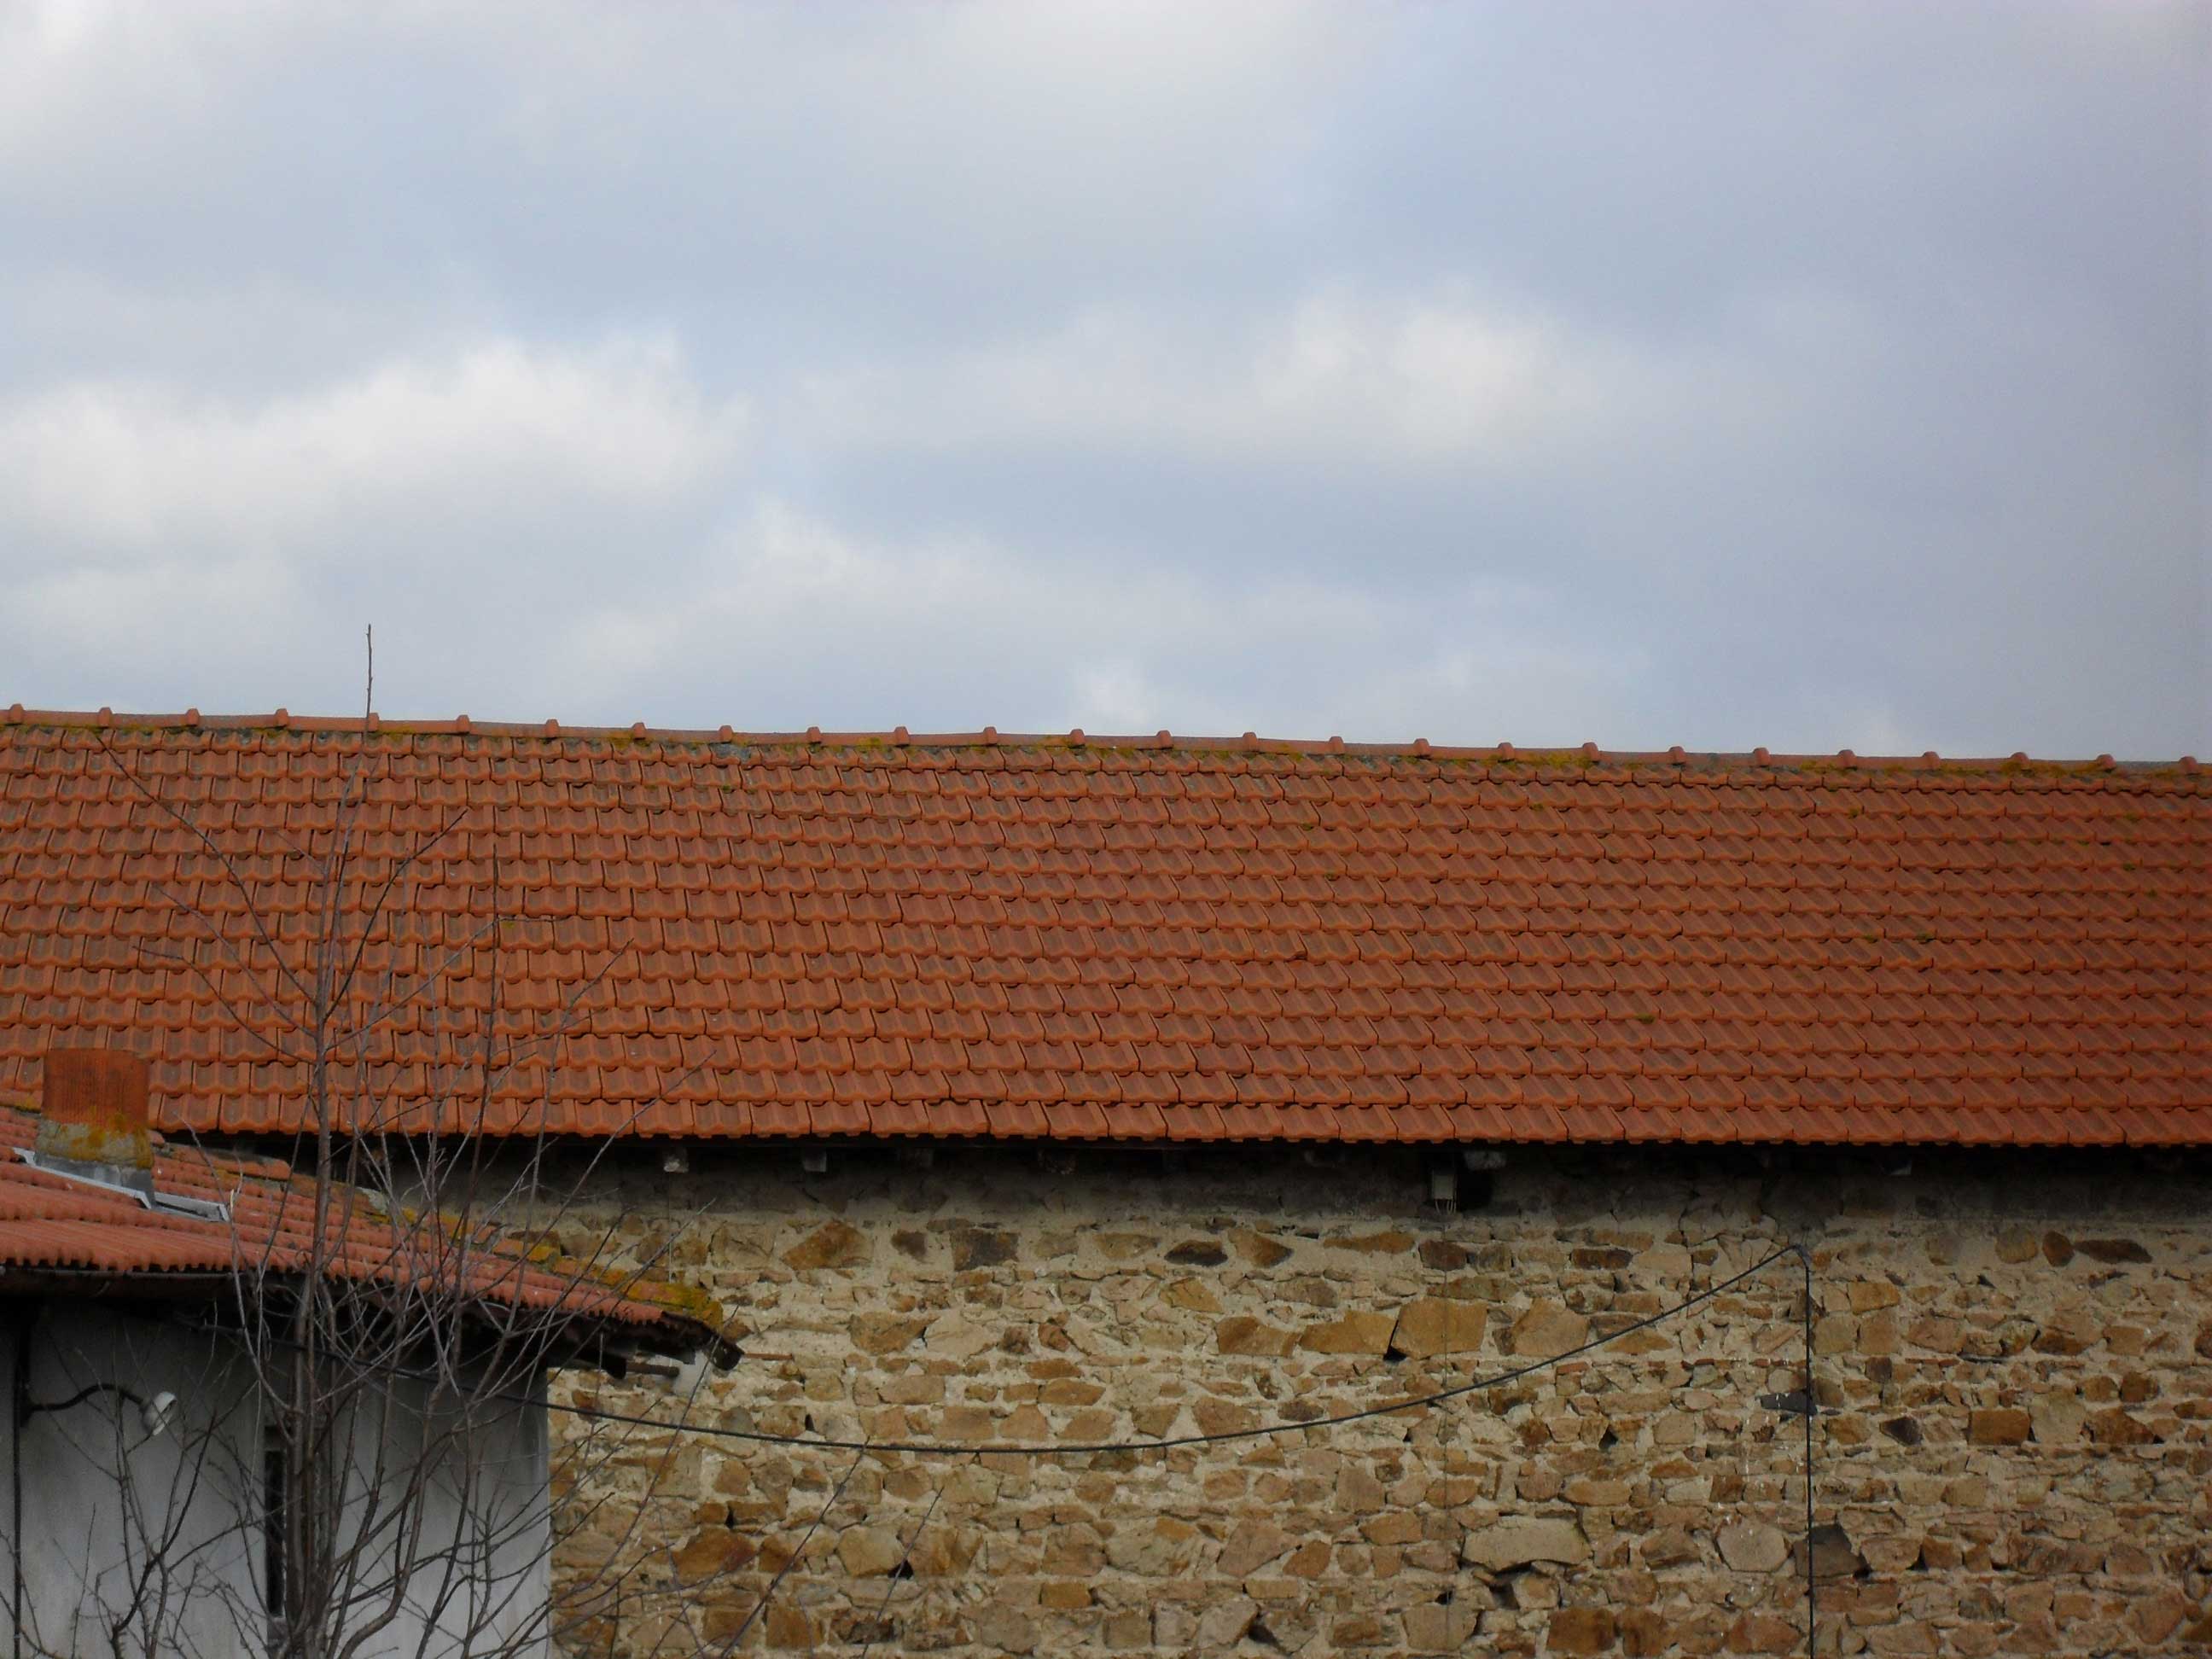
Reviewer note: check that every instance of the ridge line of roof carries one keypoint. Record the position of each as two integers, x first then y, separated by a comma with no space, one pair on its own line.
281,719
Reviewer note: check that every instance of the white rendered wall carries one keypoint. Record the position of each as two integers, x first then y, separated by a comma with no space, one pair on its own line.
133,1544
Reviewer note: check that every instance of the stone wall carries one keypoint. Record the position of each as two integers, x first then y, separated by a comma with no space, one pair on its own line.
2014,1358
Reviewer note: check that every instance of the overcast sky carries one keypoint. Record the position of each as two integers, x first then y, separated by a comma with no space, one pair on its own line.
1796,375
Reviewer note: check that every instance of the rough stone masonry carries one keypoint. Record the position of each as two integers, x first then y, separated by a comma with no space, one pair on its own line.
2014,1357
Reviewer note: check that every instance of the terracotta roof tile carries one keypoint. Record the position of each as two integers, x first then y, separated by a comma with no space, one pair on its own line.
744,936
50,1223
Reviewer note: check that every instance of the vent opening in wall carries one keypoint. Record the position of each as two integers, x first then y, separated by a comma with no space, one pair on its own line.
1457,1186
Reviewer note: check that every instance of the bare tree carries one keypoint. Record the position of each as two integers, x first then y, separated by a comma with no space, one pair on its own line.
370,1430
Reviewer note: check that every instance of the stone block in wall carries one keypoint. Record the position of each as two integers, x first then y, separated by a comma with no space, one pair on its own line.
884,1332
1430,1326
1258,1249
1223,1624
1998,1426
1003,1627
1765,1633
1242,1334
1520,1541
1193,1295
833,1245
2117,1427
1644,1632
870,1551
975,1248
1580,1631
1359,1332
1251,1546
1546,1331
957,1336
1431,1628
1752,1547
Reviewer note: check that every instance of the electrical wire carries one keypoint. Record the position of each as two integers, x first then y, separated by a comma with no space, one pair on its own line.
1085,1447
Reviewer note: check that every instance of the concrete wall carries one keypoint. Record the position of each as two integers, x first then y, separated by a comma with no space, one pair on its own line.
2016,1353
101,1499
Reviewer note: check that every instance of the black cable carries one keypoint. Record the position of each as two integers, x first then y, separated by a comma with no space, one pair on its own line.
938,1449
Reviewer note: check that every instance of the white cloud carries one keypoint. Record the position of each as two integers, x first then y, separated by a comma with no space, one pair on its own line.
164,609
1018,131
1088,121
108,465
790,616
85,77
1338,378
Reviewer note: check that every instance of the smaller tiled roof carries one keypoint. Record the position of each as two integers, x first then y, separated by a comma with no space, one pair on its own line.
52,1224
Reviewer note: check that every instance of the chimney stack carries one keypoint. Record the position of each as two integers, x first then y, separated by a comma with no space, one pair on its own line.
94,1120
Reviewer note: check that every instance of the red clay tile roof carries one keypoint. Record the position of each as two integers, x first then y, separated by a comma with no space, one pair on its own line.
50,1223
1134,939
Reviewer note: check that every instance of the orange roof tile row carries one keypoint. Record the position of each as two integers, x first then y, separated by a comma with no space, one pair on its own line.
706,934
51,1222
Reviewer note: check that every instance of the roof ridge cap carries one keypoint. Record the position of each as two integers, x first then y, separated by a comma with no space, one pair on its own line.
1549,756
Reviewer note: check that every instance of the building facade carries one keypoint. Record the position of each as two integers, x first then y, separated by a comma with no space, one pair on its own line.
2013,1361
